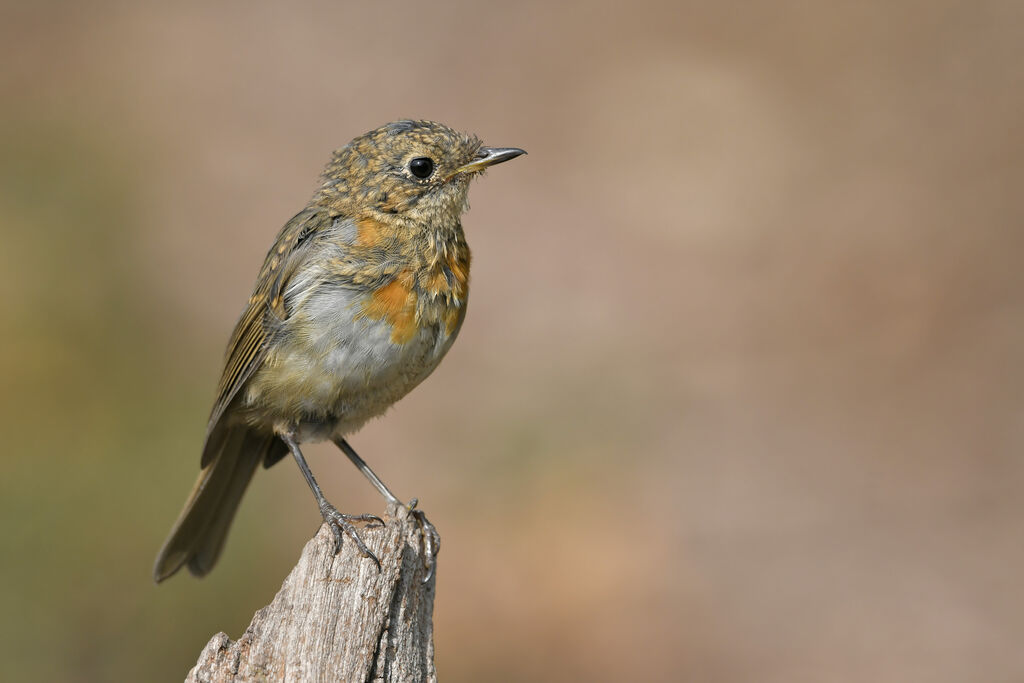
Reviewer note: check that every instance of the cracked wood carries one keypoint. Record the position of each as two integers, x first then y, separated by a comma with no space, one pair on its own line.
336,618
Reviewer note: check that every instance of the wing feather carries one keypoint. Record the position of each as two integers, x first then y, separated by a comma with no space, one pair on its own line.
249,341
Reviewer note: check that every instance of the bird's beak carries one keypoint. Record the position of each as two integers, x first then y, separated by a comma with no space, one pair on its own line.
488,156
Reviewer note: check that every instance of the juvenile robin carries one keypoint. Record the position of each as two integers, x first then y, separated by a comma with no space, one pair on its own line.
359,299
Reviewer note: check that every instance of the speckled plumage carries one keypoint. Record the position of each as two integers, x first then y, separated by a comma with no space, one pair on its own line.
359,298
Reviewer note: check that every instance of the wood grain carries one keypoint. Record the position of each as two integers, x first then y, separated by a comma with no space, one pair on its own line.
336,618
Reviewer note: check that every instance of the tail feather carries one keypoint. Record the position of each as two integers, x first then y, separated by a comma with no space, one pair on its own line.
199,534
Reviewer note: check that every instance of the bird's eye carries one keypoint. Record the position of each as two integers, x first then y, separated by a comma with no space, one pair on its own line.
421,167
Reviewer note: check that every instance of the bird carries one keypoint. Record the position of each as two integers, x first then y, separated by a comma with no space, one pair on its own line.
360,297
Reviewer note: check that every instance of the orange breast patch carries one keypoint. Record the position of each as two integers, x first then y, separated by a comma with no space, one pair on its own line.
395,303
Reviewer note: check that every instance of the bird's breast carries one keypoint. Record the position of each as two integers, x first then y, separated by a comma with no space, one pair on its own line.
345,355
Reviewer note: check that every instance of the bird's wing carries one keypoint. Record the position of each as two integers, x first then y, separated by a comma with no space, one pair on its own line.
249,342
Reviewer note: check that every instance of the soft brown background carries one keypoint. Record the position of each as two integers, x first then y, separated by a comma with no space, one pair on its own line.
740,395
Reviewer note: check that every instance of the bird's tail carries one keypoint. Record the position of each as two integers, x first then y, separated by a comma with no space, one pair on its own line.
198,536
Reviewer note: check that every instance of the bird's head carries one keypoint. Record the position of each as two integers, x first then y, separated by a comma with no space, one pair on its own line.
409,172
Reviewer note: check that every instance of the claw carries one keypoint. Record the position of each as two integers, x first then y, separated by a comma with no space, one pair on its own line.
431,539
341,523
337,538
377,521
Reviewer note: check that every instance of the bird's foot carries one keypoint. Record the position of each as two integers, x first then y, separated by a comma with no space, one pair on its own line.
340,524
431,539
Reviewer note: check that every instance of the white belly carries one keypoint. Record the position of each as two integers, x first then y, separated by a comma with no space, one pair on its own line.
337,369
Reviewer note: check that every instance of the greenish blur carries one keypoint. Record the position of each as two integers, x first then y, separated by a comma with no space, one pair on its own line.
100,414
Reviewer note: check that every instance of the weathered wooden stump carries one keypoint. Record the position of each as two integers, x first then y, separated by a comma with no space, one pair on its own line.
336,618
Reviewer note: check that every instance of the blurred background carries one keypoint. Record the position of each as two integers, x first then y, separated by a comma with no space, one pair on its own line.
740,395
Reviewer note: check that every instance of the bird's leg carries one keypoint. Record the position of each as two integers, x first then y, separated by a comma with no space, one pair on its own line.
367,472
337,521
431,539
